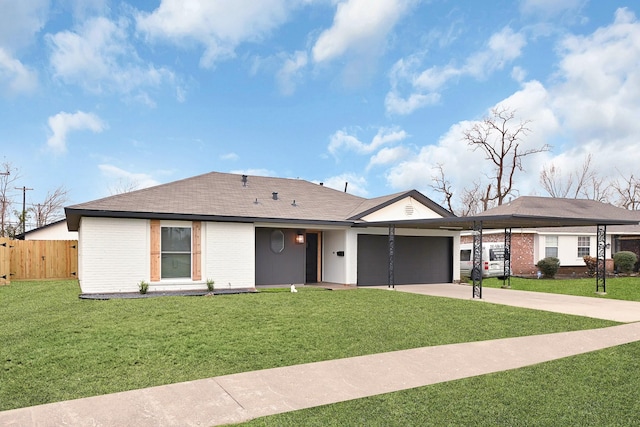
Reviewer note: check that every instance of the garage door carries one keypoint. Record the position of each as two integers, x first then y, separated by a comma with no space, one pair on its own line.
417,260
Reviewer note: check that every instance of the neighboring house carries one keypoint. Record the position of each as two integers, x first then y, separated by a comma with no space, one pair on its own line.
243,232
568,244
55,231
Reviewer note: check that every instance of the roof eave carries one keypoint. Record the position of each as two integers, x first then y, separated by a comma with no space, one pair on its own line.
74,215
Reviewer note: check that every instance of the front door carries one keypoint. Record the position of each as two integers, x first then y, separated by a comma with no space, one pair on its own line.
312,258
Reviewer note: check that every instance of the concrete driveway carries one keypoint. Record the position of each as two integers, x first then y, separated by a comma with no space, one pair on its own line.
599,308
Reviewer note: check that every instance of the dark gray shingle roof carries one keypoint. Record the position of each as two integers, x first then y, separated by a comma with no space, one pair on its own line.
224,196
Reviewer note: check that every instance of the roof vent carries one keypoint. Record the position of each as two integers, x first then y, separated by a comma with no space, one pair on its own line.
275,195
244,180
408,210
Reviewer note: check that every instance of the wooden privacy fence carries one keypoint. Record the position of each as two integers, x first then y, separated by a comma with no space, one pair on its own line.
37,259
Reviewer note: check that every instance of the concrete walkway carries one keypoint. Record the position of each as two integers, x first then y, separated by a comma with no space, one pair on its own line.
244,396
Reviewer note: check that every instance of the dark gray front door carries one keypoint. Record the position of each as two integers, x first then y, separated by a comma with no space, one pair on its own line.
418,260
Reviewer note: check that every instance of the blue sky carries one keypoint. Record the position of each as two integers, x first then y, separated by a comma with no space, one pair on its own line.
97,95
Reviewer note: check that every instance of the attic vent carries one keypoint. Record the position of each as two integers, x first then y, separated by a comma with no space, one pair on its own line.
408,210
244,180
274,195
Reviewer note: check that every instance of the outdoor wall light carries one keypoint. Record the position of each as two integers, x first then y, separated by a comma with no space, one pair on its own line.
299,237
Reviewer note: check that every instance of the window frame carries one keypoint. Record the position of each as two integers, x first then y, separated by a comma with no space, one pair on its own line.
164,252
583,246
548,246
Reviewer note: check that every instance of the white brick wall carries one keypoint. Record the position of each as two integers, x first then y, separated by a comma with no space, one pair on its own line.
230,252
113,254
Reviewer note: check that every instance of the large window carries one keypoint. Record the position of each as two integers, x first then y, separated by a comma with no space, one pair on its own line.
584,245
175,252
551,246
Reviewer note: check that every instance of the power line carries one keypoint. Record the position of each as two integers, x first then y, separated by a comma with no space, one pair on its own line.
24,205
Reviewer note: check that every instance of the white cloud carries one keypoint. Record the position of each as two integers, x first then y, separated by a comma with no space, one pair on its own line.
597,96
424,87
62,123
15,77
218,25
99,57
356,184
128,180
389,155
230,156
341,139
360,27
20,21
462,166
291,72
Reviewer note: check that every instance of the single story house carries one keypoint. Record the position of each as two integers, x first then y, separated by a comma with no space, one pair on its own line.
568,244
55,231
245,231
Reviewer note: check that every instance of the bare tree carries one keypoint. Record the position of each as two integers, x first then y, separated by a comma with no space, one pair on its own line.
441,185
583,182
474,200
8,175
627,192
500,138
52,208
124,185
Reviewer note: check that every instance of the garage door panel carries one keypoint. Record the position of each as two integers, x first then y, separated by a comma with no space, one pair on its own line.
418,259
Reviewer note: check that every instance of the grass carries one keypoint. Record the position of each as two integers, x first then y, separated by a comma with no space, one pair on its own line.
624,288
594,389
57,347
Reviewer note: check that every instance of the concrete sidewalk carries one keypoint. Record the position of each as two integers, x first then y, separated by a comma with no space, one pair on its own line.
244,396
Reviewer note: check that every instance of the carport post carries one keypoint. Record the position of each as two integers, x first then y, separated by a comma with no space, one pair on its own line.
506,279
392,244
476,271
601,262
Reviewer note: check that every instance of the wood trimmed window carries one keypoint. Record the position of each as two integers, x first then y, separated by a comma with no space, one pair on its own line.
175,251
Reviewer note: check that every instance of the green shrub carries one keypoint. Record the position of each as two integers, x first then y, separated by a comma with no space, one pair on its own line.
549,266
592,264
210,284
143,287
625,261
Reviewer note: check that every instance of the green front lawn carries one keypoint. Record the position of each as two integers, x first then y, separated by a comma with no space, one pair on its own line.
597,389
624,288
58,347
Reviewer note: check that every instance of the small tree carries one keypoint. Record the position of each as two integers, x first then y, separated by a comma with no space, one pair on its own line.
625,261
549,267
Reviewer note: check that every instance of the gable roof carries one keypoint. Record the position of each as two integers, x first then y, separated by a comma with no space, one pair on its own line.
219,196
371,205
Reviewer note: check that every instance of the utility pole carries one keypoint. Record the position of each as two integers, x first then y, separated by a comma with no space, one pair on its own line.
24,206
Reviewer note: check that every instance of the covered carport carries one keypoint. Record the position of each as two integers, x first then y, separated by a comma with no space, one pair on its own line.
524,212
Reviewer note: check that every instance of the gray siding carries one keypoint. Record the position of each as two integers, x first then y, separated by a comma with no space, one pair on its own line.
286,267
418,260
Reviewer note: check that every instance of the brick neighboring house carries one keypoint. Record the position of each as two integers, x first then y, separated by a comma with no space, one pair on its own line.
569,244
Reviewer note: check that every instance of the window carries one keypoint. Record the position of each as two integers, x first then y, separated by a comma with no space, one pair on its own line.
551,246
175,251
465,255
277,241
584,246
